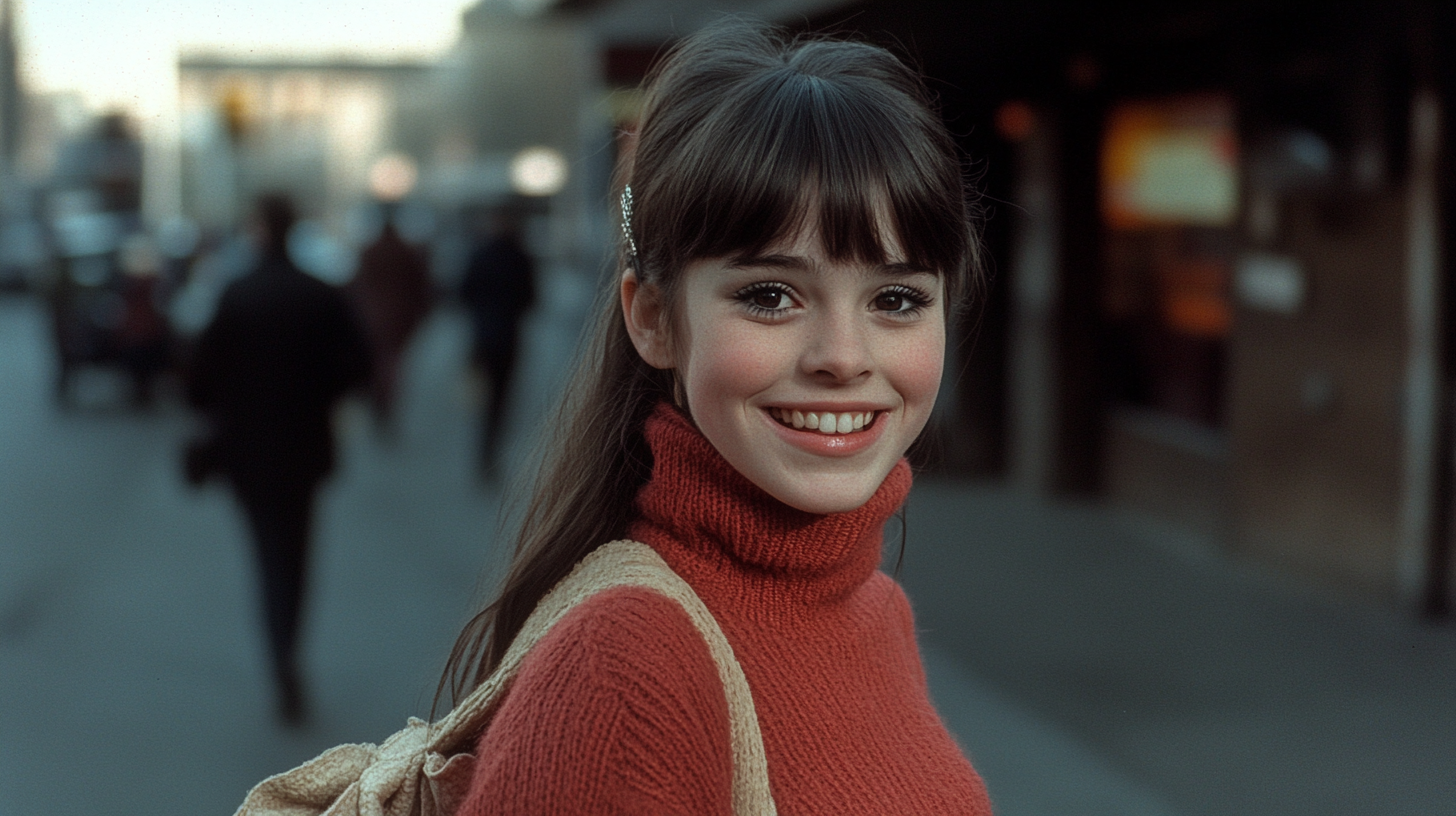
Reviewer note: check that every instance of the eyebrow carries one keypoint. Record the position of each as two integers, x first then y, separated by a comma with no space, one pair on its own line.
800,263
796,262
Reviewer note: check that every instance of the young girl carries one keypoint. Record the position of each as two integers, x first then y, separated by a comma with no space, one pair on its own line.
796,236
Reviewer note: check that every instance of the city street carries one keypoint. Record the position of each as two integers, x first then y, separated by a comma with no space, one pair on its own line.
1091,664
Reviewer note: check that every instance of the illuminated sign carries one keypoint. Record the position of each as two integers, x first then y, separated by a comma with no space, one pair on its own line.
1170,162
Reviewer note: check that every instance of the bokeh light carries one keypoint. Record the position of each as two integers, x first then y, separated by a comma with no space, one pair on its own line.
538,171
392,177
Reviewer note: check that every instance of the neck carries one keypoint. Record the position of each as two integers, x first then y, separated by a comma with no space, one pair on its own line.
712,523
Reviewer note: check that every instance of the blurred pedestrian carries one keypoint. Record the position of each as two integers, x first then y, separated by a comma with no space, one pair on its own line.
498,289
393,292
144,336
267,373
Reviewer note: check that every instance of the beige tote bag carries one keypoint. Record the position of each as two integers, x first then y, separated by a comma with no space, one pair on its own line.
425,769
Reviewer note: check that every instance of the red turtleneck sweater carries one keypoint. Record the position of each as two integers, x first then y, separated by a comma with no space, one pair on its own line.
620,709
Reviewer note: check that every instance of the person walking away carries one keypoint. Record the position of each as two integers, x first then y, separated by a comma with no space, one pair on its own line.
268,371
393,294
498,288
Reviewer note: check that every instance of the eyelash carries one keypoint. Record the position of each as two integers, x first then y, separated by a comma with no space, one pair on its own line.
915,300
747,294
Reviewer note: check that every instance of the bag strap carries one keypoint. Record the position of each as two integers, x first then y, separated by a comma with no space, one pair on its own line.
625,563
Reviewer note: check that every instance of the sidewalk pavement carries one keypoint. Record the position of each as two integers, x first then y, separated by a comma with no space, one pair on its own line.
1209,686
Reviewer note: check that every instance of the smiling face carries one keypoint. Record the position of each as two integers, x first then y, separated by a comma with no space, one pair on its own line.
811,376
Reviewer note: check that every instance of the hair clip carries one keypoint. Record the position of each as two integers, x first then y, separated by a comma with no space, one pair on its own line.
627,220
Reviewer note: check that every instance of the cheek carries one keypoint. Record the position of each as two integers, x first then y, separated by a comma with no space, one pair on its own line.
917,371
734,363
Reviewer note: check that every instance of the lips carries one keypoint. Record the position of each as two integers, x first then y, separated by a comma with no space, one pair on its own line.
826,439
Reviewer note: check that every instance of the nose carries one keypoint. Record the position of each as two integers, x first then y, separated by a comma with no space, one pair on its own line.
837,348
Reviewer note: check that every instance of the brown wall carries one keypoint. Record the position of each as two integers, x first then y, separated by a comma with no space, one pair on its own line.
1314,398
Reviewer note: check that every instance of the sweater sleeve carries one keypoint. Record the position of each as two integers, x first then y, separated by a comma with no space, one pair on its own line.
618,710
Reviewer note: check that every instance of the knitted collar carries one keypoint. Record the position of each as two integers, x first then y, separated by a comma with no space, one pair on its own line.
735,543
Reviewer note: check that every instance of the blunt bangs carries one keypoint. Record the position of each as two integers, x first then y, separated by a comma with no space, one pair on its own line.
837,132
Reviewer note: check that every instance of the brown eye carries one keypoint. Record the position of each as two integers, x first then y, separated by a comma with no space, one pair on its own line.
901,301
891,302
771,299
766,298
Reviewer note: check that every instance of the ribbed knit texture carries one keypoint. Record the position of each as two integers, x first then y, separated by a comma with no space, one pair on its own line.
620,710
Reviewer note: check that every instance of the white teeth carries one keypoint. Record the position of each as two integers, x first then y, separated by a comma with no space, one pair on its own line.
826,422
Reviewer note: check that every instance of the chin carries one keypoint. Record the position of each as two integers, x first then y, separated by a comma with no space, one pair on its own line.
822,499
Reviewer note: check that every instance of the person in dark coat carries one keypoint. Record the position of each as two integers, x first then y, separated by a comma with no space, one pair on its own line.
268,372
393,293
498,288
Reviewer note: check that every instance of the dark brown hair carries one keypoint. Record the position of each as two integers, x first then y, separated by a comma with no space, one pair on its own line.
745,134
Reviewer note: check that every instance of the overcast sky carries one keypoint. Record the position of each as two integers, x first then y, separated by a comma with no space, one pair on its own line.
123,52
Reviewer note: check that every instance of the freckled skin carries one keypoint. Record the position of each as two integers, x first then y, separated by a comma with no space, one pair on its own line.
829,342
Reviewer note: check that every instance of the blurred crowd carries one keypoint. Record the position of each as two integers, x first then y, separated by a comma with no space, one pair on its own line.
263,330
134,296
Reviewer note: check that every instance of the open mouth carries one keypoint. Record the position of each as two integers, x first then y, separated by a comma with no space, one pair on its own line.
825,422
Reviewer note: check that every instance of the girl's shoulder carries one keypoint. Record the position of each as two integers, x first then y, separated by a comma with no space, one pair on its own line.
625,632
619,703
883,592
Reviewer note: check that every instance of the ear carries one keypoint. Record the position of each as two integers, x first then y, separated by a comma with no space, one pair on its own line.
646,323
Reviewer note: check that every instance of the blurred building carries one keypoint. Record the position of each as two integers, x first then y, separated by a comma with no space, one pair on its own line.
12,97
312,127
